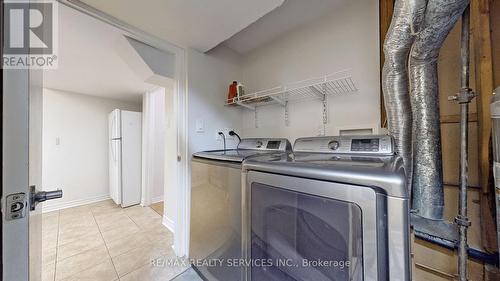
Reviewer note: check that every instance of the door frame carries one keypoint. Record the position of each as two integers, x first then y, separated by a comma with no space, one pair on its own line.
15,168
1,131
181,225
21,110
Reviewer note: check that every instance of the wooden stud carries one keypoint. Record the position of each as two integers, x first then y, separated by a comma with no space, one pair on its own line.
445,119
386,9
480,20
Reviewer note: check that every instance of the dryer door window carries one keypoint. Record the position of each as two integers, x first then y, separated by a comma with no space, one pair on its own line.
297,236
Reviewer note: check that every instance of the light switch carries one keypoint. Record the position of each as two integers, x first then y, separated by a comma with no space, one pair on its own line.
200,126
58,140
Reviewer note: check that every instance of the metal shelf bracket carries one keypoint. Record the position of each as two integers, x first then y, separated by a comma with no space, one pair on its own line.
278,100
287,118
256,118
246,105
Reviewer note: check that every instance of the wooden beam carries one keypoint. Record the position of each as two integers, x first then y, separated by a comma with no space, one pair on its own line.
480,21
495,39
386,9
445,119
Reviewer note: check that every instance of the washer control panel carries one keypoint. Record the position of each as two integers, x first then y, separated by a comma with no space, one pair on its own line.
369,144
270,144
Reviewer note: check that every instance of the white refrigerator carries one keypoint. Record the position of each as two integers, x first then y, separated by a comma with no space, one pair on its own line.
125,148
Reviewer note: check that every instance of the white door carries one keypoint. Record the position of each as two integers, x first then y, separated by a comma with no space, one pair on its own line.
21,160
15,175
21,174
35,172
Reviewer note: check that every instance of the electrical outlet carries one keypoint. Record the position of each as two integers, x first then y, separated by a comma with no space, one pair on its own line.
200,125
226,132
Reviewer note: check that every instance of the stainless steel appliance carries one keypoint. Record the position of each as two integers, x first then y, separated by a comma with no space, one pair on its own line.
335,209
495,115
215,232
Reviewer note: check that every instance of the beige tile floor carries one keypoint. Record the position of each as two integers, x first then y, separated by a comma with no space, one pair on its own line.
103,242
158,207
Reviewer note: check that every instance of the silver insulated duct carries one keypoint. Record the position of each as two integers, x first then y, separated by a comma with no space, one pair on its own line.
427,182
407,17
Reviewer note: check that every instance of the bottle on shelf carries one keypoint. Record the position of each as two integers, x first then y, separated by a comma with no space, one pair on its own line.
232,93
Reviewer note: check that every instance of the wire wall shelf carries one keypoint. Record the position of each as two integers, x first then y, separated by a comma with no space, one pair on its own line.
317,88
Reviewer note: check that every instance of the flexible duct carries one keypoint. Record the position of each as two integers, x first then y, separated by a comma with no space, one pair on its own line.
427,182
407,17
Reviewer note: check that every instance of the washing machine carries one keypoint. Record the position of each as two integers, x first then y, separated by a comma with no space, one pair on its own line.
335,209
215,216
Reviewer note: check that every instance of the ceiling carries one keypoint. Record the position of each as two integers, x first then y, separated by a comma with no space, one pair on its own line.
290,15
198,24
88,62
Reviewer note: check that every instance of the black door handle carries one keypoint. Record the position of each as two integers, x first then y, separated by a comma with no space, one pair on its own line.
41,196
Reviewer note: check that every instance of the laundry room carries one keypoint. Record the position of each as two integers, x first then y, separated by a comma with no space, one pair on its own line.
324,77
256,140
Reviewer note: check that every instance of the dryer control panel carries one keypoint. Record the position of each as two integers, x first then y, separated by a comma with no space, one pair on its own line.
268,144
367,145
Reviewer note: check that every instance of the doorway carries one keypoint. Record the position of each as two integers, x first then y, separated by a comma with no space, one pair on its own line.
93,216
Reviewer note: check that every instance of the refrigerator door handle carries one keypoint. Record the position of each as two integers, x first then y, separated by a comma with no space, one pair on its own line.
113,151
113,126
114,148
115,130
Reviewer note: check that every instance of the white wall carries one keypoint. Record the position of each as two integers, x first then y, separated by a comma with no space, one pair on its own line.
346,39
153,146
170,173
79,163
209,76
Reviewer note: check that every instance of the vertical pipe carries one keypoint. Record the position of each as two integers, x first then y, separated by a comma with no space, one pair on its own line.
462,220
464,50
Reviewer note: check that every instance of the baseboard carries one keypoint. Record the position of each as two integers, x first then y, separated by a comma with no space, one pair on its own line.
73,203
157,199
168,223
